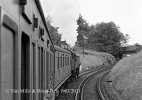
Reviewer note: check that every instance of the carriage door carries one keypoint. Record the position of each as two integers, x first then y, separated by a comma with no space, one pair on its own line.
25,67
47,70
33,60
7,63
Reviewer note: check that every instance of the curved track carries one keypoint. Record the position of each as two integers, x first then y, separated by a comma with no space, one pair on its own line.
99,86
88,87
73,85
73,89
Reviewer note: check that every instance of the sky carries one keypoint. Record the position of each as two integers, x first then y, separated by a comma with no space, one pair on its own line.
127,14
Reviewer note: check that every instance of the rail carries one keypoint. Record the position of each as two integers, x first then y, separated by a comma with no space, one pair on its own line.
79,96
99,86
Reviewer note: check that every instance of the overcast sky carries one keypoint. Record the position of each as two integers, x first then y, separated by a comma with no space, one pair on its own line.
125,13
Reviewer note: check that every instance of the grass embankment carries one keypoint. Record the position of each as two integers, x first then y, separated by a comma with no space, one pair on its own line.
127,77
92,59
89,61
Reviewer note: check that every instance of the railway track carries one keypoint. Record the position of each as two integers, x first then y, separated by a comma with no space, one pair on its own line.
99,86
88,87
67,93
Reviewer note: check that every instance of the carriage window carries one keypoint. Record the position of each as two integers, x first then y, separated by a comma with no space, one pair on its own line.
58,62
65,61
61,61
50,65
68,60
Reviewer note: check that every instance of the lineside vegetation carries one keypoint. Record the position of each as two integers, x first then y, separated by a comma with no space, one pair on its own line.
126,77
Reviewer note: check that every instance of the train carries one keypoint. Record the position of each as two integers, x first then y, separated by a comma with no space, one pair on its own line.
31,66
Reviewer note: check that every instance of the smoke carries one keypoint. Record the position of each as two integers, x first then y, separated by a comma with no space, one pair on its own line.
64,14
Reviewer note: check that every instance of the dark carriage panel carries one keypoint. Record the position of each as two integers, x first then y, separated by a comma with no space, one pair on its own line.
25,66
8,52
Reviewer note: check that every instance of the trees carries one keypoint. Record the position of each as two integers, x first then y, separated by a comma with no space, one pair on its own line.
56,37
82,30
103,37
106,37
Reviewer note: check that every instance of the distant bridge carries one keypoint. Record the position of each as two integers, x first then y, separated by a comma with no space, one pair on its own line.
128,50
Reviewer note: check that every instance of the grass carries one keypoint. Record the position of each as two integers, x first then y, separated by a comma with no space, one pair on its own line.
89,61
94,59
127,77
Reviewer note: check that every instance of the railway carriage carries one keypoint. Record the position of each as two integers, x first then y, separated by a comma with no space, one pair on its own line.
26,51
62,67
30,64
66,67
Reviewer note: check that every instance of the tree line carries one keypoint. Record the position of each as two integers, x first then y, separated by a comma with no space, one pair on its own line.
102,37
55,35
